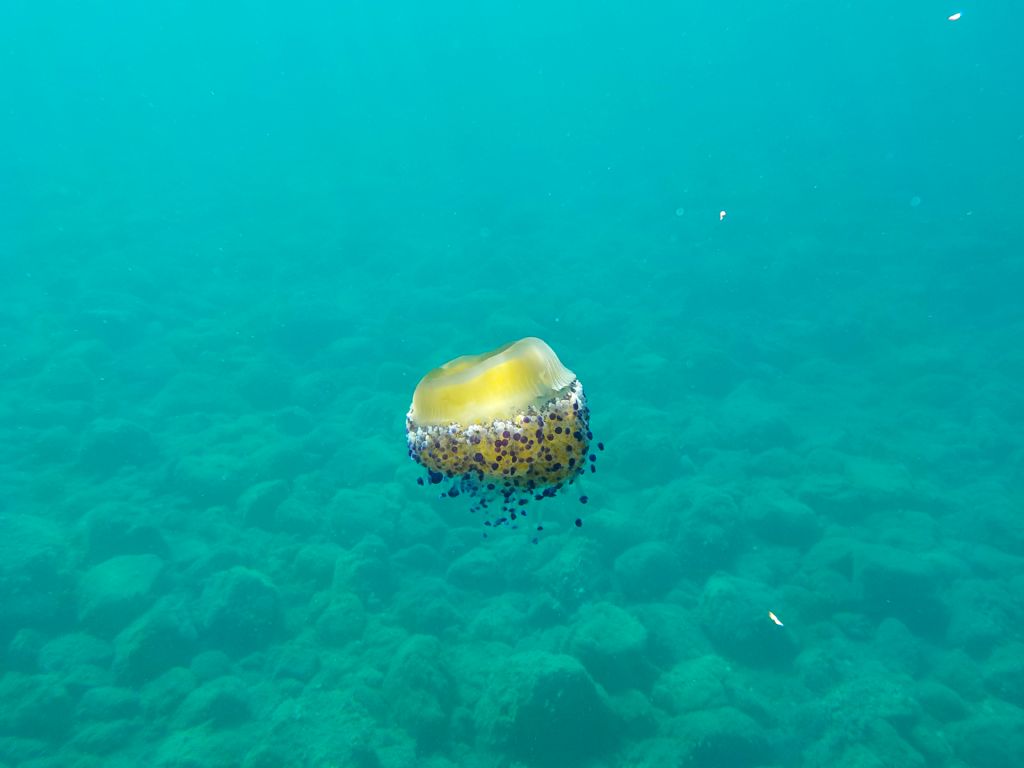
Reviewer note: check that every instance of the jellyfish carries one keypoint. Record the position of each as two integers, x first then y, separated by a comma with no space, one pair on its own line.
505,428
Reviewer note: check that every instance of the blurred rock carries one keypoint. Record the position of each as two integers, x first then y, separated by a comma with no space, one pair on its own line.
161,638
428,606
722,738
477,570
544,709
672,633
734,614
940,702
752,418
297,662
240,610
163,694
612,646
108,703
23,651
221,703
693,685
104,738
65,653
294,421
67,377
573,573
995,609
258,505
783,520
709,534
902,584
993,738
119,529
343,621
34,581
116,591
211,478
355,514
1004,673
420,690
646,571
35,706
898,648
710,371
210,664
314,563
110,444
366,570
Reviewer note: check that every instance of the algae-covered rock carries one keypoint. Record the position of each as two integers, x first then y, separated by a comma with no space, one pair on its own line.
343,621
477,570
710,533
34,584
297,662
611,644
162,695
208,665
212,478
223,702
693,685
67,652
240,610
993,738
782,519
324,727
108,703
995,610
428,606
22,654
903,584
120,529
646,571
545,709
117,590
1004,673
734,614
258,505
104,738
202,747
366,570
722,738
110,444
420,690
35,706
161,638
939,701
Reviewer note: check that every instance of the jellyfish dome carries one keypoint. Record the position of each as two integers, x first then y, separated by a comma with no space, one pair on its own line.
506,427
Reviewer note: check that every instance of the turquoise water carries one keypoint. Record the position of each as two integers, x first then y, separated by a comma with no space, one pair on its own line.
233,236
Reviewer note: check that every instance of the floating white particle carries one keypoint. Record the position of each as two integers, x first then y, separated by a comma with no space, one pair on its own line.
955,16
721,215
775,618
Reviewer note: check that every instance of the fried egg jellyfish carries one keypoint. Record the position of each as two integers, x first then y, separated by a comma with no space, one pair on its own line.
506,427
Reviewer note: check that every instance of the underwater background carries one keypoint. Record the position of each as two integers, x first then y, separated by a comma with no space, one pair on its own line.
233,236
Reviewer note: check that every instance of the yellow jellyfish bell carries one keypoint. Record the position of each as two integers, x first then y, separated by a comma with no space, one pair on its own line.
510,424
